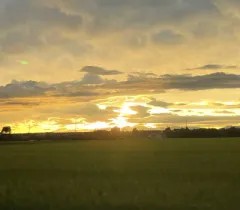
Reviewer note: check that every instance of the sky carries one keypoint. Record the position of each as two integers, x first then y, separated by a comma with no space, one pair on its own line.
82,65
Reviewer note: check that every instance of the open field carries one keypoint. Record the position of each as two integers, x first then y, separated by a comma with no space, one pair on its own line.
175,174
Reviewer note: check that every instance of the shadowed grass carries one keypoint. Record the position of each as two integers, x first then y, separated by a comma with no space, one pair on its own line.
173,175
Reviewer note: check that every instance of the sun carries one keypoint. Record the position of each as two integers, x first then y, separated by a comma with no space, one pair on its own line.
121,122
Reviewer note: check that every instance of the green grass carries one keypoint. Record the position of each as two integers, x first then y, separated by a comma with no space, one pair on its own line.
175,174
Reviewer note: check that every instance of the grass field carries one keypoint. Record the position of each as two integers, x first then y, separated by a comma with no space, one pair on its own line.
175,174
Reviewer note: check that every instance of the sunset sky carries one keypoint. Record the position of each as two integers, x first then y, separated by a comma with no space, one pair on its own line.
82,65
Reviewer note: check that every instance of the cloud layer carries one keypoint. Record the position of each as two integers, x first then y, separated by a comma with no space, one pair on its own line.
125,49
138,85
59,36
214,67
99,71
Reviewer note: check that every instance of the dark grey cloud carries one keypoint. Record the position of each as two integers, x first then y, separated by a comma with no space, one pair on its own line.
203,82
94,85
157,103
142,112
24,89
224,112
24,23
89,111
114,14
218,104
180,82
21,12
81,88
182,104
214,67
140,76
83,93
92,79
101,15
151,85
19,41
99,71
227,106
93,16
19,103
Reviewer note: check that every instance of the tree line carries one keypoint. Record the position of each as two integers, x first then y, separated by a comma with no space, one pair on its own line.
117,133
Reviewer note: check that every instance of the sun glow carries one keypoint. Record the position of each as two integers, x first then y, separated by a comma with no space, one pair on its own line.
230,103
49,126
102,107
87,126
36,127
121,122
150,125
126,115
97,125
125,110
159,110
202,103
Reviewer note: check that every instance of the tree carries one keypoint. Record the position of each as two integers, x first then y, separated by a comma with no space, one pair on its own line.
6,130
135,131
115,131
